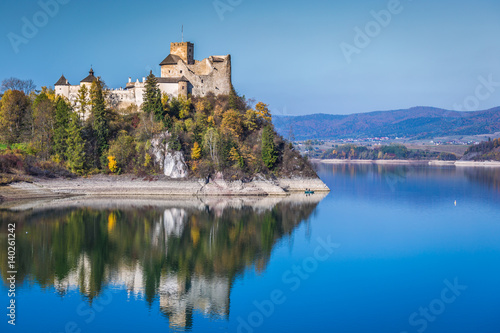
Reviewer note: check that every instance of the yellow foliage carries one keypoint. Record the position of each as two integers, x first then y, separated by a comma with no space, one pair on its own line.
112,165
234,155
196,151
195,235
211,121
147,160
232,124
111,221
263,112
250,121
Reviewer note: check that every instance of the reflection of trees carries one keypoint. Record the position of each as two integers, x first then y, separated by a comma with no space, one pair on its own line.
488,176
188,259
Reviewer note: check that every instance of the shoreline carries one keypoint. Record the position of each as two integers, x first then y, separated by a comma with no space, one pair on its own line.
128,186
413,162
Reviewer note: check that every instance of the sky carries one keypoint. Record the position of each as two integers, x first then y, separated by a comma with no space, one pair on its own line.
300,57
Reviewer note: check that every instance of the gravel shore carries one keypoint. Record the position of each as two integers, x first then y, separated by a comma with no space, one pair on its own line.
128,186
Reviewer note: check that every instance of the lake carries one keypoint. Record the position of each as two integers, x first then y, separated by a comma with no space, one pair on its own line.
390,249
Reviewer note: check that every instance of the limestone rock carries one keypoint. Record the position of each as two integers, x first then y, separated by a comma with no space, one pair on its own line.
174,165
172,162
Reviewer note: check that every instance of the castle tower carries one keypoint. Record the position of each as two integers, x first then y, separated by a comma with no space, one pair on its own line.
183,50
183,87
89,79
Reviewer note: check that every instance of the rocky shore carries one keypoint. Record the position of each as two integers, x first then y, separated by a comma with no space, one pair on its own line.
128,186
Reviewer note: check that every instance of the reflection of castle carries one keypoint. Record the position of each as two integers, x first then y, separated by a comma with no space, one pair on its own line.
187,258
208,295
180,75
178,296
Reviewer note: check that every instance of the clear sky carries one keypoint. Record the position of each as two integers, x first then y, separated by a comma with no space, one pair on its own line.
300,57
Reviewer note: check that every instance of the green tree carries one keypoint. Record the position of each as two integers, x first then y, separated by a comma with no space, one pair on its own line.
15,117
82,101
100,116
269,151
75,151
152,98
62,118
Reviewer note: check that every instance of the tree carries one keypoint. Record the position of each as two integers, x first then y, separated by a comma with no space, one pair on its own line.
232,123
152,98
211,144
43,125
15,117
269,152
75,153
196,151
100,116
62,118
263,112
82,101
123,149
26,86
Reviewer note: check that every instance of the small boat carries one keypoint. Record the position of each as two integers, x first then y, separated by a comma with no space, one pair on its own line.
309,192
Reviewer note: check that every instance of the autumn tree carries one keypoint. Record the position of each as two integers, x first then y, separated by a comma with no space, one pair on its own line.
263,112
43,125
232,124
15,117
269,152
196,151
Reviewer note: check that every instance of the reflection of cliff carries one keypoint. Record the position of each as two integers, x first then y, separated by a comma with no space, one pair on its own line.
185,257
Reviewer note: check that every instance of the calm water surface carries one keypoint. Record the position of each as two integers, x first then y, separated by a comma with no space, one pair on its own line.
390,249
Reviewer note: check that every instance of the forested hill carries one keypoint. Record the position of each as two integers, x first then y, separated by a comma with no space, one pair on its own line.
417,123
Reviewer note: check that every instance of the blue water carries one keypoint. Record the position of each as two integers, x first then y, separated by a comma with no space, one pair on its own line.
390,249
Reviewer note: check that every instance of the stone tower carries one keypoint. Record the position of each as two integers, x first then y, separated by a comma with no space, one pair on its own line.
183,50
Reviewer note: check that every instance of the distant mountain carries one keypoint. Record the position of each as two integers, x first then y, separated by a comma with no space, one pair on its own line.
415,123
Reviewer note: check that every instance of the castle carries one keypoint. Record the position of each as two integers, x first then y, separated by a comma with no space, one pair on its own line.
181,76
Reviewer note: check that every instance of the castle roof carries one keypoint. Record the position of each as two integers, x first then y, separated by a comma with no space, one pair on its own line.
91,78
62,82
171,79
172,59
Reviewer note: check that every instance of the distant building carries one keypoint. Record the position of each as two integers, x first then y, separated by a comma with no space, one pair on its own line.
181,75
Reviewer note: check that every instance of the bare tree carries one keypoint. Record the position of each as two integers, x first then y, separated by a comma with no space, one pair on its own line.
14,83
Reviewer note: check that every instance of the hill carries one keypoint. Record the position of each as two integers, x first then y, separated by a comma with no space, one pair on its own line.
414,123
208,137
484,151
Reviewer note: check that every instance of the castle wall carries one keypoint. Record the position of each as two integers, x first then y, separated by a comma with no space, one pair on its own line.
170,89
171,71
209,75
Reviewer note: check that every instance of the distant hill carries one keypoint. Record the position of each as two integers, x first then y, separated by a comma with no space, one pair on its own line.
415,123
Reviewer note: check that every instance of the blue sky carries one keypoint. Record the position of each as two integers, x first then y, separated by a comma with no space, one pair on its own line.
289,54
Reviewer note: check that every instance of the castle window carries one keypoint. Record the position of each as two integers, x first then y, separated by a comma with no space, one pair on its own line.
201,81
182,88
181,72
